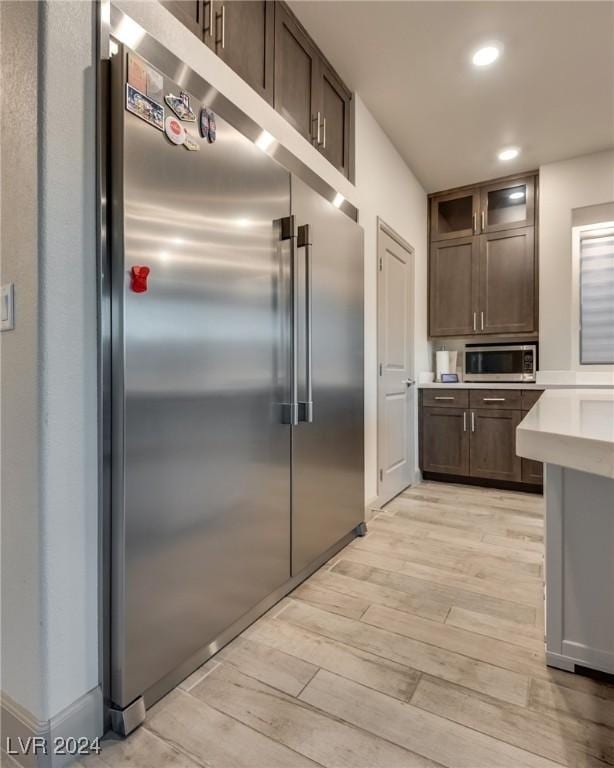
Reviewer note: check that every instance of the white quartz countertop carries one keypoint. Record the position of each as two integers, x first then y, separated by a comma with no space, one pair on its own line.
510,385
571,428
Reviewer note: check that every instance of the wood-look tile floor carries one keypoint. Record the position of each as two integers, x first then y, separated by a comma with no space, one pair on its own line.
420,644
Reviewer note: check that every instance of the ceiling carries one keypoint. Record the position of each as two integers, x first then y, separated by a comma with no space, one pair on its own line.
551,92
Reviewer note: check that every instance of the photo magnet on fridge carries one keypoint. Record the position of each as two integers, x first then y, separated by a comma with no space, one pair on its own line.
155,85
137,73
174,130
203,123
145,108
212,133
181,106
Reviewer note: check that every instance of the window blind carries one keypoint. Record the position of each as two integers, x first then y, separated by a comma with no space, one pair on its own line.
597,297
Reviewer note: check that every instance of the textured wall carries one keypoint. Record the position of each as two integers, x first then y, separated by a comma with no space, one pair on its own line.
49,418
581,181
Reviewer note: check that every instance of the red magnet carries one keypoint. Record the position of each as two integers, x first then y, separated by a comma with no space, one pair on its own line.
139,279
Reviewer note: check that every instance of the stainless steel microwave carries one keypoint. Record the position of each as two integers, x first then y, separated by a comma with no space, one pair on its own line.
500,362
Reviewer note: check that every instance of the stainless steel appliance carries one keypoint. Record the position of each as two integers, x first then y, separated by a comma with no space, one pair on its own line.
237,389
500,362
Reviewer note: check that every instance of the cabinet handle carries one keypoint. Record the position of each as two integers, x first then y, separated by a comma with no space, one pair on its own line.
475,223
324,133
475,321
493,399
483,220
464,421
482,320
317,122
441,397
210,22
223,26
473,421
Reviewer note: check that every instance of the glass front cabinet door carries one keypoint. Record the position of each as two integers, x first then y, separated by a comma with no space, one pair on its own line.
507,205
455,214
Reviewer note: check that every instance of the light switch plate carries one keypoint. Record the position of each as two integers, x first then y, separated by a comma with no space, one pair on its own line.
7,307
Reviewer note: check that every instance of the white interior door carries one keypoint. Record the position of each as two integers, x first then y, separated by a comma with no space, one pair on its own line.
395,359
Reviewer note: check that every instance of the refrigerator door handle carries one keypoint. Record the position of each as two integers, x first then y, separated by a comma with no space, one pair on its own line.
290,410
306,406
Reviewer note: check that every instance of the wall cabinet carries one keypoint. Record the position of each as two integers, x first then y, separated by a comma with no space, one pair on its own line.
471,433
482,260
262,41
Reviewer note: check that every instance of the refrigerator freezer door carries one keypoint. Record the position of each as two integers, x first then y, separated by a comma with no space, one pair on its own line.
201,518
328,453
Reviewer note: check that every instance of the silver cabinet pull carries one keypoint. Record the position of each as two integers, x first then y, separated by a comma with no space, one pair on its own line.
483,220
223,26
473,421
482,320
211,22
306,406
475,321
464,421
317,121
493,399
441,397
475,223
324,133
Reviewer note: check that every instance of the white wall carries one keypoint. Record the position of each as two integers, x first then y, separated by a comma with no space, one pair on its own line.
385,187
581,181
388,189
49,368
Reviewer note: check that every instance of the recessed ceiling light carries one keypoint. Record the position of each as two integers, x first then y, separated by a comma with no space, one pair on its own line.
516,195
486,56
509,153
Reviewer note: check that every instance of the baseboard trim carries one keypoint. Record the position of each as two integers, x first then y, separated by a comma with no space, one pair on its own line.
81,719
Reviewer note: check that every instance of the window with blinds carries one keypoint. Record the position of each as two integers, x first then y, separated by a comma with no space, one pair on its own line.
597,296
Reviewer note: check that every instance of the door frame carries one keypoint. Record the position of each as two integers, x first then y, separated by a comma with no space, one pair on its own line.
383,227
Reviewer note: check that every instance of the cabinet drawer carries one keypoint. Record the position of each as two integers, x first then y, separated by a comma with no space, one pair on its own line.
530,397
495,398
445,398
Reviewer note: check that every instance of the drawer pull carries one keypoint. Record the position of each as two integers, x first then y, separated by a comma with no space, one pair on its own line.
494,399
440,397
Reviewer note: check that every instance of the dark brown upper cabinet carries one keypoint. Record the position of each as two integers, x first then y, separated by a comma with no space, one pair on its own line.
453,285
296,64
189,13
455,214
507,293
241,32
507,205
483,272
335,106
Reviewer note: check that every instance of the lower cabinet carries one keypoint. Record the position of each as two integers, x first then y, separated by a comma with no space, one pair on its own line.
445,440
478,441
492,452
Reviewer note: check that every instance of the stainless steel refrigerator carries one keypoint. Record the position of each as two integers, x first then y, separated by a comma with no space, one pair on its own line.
236,389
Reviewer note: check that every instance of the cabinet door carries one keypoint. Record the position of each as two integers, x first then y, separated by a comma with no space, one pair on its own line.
493,445
335,101
242,35
532,472
507,282
445,441
455,214
507,205
453,280
189,13
296,61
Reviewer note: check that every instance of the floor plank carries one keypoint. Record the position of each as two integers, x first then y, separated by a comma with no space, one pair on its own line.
574,745
514,632
427,734
294,723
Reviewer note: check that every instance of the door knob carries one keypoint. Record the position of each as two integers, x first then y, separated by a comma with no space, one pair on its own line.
409,382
